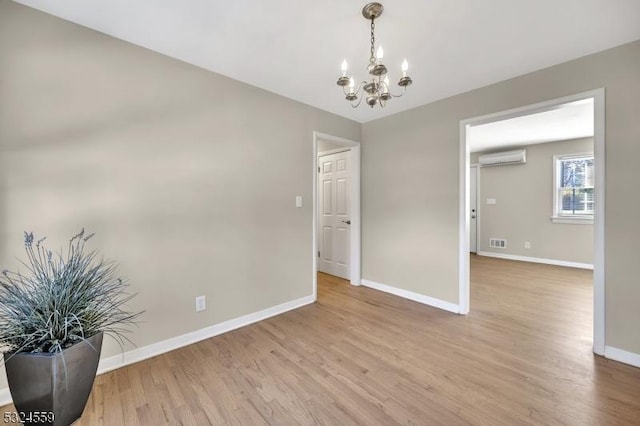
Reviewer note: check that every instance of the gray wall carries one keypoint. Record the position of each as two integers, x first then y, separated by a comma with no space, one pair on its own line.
524,204
410,182
188,178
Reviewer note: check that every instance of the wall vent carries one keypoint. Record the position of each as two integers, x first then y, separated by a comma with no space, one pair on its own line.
497,243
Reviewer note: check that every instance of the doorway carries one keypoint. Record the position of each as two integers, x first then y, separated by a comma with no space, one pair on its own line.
336,208
599,162
334,216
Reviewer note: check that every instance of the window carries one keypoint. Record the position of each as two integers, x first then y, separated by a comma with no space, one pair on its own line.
573,189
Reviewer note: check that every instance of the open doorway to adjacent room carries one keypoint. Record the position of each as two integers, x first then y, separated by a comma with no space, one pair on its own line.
336,220
532,196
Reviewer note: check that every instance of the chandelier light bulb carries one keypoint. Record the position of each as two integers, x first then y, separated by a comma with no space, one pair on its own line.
385,89
344,67
380,53
405,67
352,84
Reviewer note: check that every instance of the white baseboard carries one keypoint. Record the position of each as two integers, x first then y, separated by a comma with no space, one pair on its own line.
416,297
622,356
155,349
536,260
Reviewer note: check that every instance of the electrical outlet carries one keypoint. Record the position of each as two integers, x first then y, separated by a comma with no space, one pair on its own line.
527,245
201,303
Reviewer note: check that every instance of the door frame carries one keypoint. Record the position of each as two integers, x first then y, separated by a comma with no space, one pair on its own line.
598,95
478,203
356,222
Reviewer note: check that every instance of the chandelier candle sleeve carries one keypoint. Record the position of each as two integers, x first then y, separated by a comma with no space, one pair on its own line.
385,95
351,96
376,90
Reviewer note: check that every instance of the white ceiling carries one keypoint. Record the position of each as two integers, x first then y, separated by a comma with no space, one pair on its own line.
294,48
569,121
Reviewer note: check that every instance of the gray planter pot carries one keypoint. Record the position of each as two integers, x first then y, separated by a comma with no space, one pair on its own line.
54,383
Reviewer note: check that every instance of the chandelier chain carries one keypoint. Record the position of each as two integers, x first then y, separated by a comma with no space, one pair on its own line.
373,37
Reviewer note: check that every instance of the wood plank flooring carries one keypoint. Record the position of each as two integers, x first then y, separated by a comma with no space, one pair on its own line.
358,356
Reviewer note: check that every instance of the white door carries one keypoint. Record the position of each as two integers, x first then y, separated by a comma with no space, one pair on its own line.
473,208
334,214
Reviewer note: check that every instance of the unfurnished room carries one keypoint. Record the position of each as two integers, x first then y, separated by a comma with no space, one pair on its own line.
333,213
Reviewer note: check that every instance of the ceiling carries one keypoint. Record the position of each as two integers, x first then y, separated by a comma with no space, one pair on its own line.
294,48
568,121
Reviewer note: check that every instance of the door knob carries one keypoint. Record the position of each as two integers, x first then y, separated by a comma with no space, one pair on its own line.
348,222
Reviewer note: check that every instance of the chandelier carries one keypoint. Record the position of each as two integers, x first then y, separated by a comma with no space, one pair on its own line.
376,91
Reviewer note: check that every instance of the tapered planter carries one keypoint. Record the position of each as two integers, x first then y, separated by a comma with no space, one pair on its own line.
58,383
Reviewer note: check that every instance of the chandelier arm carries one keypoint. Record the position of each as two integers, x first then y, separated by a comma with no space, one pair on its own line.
357,104
404,90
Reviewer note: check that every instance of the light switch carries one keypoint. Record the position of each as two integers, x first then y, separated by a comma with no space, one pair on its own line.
298,200
491,201
201,303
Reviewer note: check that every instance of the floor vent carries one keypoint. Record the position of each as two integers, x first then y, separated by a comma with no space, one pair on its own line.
497,243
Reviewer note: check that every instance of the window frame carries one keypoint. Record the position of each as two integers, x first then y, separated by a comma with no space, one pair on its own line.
556,215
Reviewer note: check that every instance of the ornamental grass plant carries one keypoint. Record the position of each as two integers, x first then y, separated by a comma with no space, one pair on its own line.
62,299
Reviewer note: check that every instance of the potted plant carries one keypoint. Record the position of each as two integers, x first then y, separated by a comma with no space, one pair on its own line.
52,320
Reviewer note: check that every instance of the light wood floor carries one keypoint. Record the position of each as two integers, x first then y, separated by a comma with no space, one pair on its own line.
359,356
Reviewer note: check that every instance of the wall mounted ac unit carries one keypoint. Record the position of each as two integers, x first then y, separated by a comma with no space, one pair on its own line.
503,158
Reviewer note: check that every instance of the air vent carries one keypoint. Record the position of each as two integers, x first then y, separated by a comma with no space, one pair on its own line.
497,243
